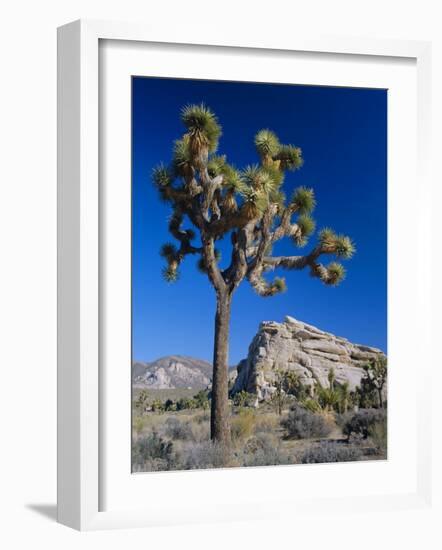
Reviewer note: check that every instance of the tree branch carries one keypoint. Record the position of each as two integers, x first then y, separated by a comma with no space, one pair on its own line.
211,264
330,275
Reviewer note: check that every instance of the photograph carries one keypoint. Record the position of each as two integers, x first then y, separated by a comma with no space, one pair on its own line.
259,274
220,247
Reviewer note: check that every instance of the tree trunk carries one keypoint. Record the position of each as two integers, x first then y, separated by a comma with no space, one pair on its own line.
219,418
381,401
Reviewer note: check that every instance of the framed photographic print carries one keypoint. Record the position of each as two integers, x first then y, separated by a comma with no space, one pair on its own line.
233,276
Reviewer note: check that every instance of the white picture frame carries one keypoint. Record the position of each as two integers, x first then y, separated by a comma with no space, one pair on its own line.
79,275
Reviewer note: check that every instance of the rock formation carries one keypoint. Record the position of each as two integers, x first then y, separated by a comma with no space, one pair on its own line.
297,346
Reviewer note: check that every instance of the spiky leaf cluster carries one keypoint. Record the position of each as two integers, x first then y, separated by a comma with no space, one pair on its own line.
289,157
305,226
267,143
255,201
161,176
181,160
336,274
279,284
345,247
278,198
202,125
232,179
340,245
303,200
258,179
170,274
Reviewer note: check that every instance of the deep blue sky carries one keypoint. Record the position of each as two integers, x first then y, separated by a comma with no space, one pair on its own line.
343,135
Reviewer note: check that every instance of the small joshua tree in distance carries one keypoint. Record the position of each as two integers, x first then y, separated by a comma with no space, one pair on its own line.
376,374
249,207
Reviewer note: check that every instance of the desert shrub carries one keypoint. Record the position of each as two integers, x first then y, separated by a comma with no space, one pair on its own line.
186,403
303,424
243,399
342,419
242,424
264,450
176,429
152,453
206,454
266,423
157,406
200,430
142,400
377,433
330,451
169,405
311,405
138,424
201,417
361,422
202,399
328,398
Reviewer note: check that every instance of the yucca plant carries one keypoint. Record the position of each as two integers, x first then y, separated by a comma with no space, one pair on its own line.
250,207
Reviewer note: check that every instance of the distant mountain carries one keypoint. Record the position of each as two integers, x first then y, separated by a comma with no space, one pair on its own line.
173,371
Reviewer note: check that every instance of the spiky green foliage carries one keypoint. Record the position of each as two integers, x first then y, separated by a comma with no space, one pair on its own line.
216,165
340,245
258,179
344,247
327,237
267,143
278,197
303,200
306,224
232,179
299,240
336,274
290,157
202,124
161,176
255,199
275,174
279,284
181,159
267,289
170,274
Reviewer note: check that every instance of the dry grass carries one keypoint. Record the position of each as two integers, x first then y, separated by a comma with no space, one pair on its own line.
258,439
243,424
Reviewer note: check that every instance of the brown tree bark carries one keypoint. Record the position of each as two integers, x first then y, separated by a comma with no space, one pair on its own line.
219,418
381,401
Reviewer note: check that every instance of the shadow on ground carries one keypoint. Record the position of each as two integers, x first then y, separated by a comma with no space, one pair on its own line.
48,511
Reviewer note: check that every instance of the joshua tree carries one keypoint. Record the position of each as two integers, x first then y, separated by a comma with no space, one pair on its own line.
279,397
376,375
344,394
250,208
